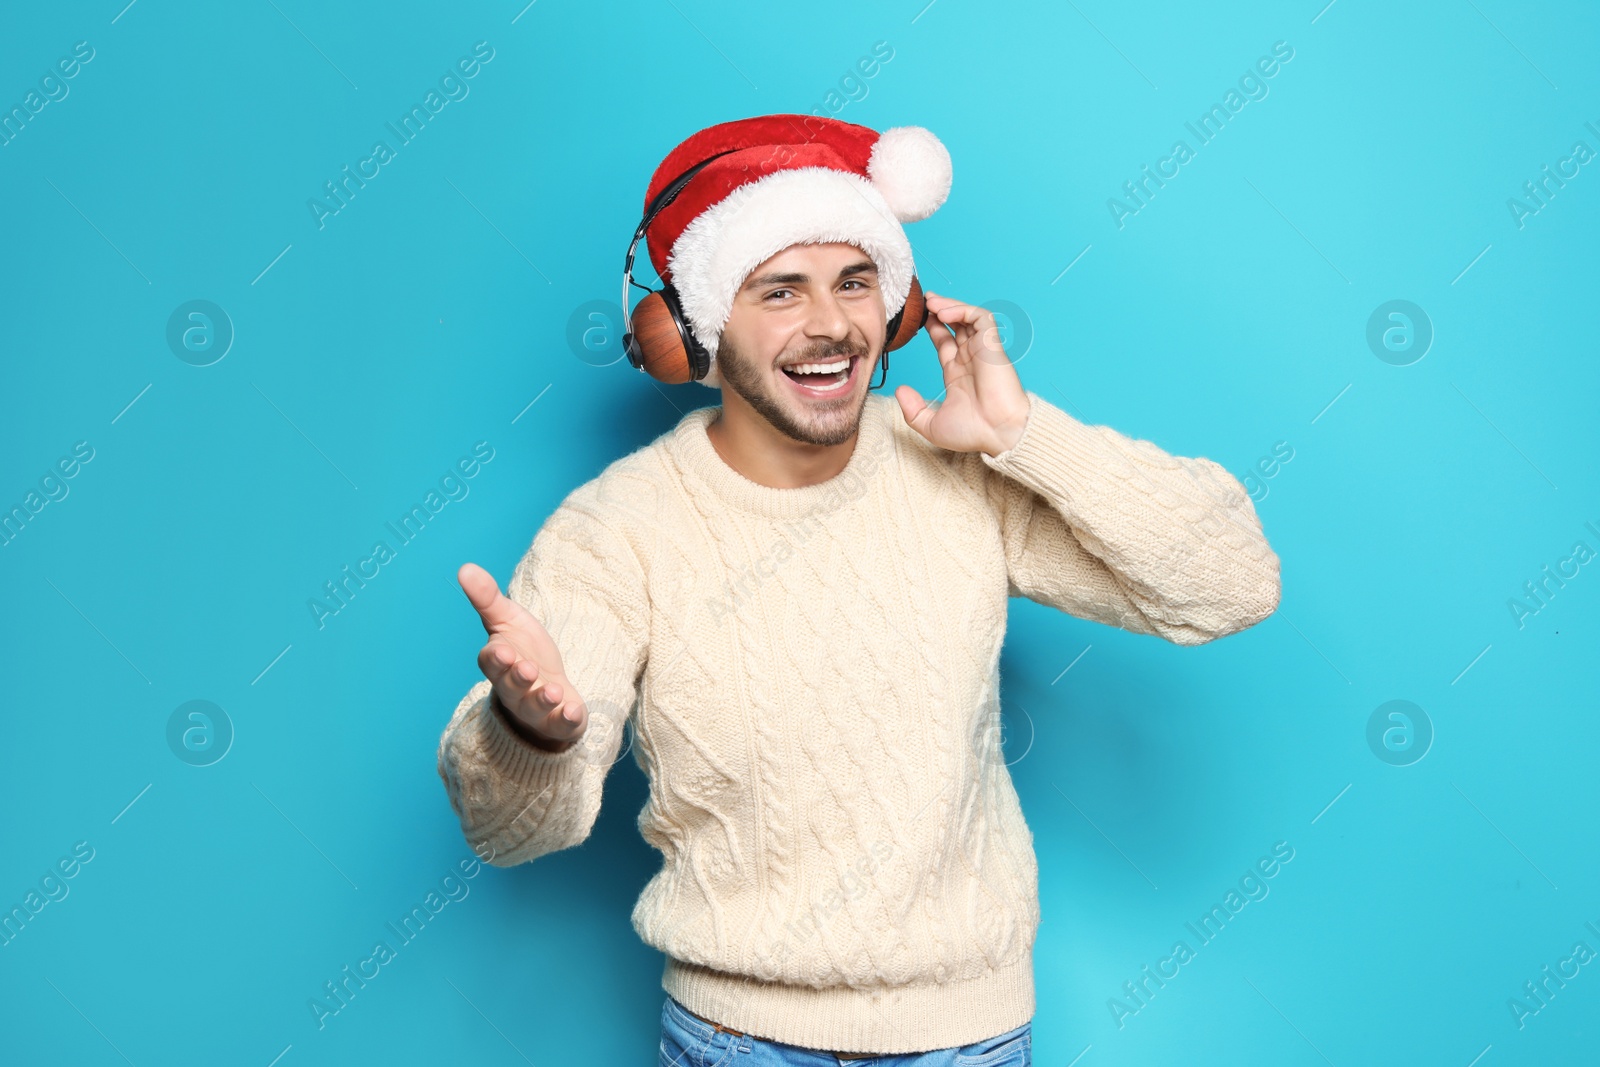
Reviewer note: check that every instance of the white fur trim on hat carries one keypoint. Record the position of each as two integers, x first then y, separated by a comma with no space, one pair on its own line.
911,168
716,252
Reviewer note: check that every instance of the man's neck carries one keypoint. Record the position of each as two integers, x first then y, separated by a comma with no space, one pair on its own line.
753,446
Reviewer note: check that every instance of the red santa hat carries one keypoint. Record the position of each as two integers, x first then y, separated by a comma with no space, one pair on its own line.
779,180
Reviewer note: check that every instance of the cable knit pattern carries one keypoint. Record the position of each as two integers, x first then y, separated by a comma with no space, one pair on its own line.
813,679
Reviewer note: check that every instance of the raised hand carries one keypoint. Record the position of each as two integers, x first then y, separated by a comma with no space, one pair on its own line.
522,662
985,406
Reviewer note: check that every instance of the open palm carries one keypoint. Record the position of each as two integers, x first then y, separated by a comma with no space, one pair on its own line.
522,662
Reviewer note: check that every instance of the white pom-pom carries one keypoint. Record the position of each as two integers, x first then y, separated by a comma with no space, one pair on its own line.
911,168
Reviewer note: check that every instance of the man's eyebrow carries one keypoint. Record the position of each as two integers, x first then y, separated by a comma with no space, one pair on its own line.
777,279
866,266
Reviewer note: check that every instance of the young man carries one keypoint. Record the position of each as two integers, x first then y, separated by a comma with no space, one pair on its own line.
798,598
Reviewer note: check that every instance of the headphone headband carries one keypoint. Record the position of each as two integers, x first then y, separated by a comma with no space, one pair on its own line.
654,208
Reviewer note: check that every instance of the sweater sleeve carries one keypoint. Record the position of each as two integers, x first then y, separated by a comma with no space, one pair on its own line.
517,802
1113,529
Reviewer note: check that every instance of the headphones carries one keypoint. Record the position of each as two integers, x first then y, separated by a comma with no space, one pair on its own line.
657,337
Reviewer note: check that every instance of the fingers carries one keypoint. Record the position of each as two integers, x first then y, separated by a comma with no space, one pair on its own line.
944,342
523,688
938,302
965,321
512,675
954,311
973,326
912,406
496,610
536,697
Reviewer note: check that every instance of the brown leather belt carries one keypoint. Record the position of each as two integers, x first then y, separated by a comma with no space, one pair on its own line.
716,1026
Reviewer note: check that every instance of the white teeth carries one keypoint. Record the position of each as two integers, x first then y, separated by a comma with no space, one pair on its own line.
820,368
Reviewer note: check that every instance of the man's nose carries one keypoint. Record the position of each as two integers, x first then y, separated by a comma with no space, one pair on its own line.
828,318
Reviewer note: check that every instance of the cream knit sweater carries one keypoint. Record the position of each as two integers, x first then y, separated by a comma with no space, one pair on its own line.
812,676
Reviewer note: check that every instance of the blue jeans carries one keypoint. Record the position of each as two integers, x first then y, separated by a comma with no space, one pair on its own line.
689,1041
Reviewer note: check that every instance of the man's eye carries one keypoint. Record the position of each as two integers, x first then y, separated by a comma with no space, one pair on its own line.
857,282
778,292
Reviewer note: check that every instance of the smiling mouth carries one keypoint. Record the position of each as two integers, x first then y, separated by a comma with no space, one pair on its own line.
827,384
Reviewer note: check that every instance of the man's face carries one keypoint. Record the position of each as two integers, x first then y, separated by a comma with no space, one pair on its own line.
811,304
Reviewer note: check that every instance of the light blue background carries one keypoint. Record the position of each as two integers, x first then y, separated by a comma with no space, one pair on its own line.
1228,315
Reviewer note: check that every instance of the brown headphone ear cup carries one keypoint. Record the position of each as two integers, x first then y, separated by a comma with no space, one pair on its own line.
660,343
911,319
